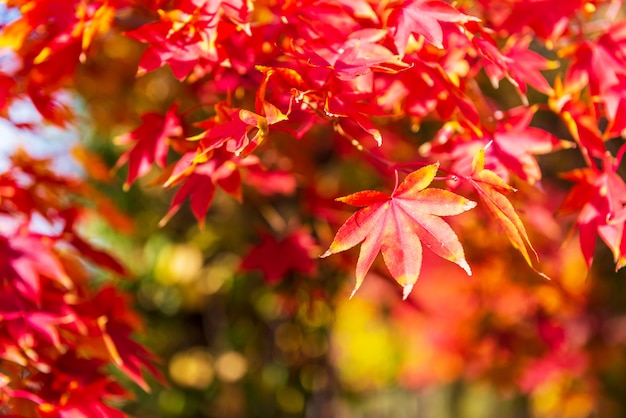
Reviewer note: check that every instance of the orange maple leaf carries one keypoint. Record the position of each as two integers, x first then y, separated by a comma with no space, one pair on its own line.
399,225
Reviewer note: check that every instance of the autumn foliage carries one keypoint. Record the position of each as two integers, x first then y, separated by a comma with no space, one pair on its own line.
492,130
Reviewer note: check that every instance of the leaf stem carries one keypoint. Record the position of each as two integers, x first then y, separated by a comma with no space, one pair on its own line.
407,167
395,187
356,144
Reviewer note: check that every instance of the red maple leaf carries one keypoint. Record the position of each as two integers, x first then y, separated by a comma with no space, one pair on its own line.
269,182
24,259
516,62
150,143
276,258
110,326
600,196
423,17
398,226
355,56
594,64
549,19
240,131
200,174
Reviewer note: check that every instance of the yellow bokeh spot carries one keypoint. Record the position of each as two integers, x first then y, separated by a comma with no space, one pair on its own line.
363,345
571,278
555,399
267,305
231,366
46,407
549,298
590,8
192,368
177,264
158,88
216,275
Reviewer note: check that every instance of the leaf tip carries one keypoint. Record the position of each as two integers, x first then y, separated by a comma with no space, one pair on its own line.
478,163
326,254
378,138
465,266
164,220
406,291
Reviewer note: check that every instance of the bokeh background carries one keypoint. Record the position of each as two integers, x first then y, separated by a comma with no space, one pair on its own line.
502,343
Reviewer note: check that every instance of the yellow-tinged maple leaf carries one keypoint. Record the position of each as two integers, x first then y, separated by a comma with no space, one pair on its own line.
400,225
491,189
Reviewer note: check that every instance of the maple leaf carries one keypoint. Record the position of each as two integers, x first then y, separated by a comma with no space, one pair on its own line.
580,121
399,225
49,107
549,19
516,143
423,17
354,108
150,143
270,182
240,131
318,19
600,198
276,258
24,259
517,62
593,64
200,177
615,101
111,324
359,55
513,144
491,189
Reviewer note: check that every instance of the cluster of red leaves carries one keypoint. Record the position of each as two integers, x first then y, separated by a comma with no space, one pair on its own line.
58,334
356,66
361,71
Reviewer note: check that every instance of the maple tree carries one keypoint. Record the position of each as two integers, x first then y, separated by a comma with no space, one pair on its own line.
496,124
